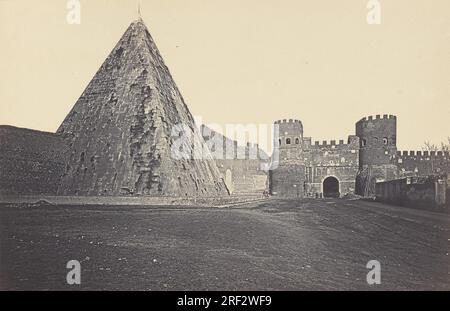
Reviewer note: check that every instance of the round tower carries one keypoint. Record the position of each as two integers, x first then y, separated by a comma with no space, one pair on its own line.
287,179
290,133
378,139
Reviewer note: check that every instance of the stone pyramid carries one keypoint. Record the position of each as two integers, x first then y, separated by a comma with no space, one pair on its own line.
119,131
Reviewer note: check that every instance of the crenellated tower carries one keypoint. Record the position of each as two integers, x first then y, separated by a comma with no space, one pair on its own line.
288,178
378,139
378,146
290,137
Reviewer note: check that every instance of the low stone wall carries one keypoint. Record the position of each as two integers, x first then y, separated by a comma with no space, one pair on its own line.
423,192
369,175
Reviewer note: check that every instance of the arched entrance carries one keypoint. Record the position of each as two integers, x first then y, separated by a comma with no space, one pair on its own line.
331,187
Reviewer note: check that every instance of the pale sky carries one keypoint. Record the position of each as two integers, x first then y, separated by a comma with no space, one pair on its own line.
243,61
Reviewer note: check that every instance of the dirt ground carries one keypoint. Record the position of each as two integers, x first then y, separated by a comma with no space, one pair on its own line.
274,245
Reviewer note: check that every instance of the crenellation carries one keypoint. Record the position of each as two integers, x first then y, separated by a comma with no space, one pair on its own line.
334,144
287,121
378,118
422,163
422,155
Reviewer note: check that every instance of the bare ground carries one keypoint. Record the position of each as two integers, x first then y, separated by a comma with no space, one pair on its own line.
274,245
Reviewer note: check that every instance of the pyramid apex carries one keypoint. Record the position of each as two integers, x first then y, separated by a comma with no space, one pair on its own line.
138,25
137,21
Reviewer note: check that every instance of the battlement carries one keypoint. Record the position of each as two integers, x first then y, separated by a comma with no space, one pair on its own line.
332,143
423,154
378,117
287,121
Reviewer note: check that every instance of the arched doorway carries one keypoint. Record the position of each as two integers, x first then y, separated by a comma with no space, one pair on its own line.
331,187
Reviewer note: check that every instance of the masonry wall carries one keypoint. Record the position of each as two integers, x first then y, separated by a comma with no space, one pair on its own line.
31,162
422,163
243,176
378,139
242,167
331,159
369,175
288,180
424,192
318,161
378,146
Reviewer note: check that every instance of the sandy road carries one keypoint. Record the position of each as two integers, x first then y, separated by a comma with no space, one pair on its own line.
272,245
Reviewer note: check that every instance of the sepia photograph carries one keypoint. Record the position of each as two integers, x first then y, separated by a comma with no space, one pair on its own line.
224,151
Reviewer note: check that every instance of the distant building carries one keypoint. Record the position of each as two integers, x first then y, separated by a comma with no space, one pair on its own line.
335,169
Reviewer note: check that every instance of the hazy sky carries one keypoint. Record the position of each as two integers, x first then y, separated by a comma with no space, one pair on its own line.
243,61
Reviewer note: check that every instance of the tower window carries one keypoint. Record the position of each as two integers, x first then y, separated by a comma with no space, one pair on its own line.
288,141
385,140
393,140
363,142
279,142
297,141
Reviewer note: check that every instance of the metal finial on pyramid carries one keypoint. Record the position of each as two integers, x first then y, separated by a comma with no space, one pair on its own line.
139,10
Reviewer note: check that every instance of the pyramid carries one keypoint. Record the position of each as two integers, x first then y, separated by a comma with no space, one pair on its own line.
119,131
